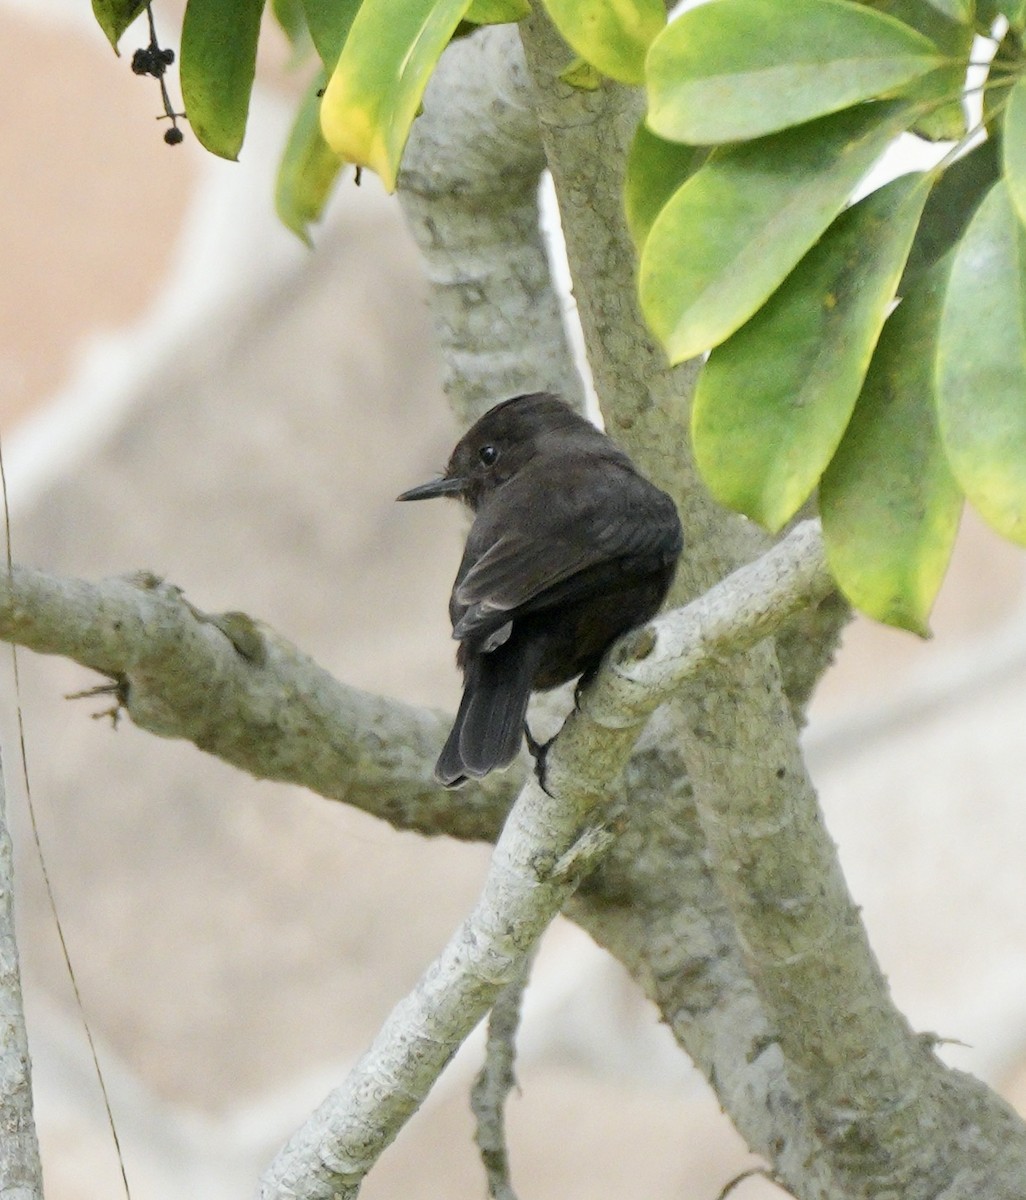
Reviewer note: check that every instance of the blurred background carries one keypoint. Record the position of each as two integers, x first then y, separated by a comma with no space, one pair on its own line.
185,388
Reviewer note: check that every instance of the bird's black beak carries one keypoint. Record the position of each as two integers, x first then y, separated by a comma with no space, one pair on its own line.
446,486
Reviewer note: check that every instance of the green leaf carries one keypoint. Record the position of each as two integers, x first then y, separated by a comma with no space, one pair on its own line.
731,70
938,21
377,84
308,170
889,503
612,35
115,16
734,231
219,44
1013,147
773,400
941,115
655,170
291,18
955,197
955,10
953,36
497,12
981,365
1014,10
940,92
329,22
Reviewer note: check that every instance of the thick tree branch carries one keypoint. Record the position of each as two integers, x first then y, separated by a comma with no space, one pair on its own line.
551,839
679,941
889,1114
586,135
472,205
238,690
538,859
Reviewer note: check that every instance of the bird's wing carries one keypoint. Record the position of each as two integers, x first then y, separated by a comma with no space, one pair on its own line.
537,538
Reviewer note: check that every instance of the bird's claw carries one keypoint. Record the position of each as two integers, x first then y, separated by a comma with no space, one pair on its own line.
538,751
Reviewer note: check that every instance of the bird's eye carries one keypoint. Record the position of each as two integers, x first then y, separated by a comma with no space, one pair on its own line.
488,454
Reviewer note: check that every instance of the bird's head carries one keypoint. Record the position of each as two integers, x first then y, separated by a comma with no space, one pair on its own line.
501,443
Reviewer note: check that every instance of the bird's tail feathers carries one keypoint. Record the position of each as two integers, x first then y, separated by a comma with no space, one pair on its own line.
450,770
489,726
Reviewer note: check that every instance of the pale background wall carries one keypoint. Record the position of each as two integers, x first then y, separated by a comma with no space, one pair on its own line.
184,388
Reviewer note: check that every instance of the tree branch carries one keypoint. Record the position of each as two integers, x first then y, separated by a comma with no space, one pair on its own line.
472,204
239,691
646,668
495,1081
551,839
889,1114
586,135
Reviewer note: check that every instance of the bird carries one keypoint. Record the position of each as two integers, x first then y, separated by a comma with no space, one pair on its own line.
570,547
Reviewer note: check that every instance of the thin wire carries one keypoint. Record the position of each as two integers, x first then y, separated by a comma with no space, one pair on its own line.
39,849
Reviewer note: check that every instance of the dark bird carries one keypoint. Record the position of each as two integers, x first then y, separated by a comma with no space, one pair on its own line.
570,547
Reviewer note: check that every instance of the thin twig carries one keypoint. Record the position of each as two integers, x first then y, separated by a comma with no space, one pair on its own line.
731,1184
495,1081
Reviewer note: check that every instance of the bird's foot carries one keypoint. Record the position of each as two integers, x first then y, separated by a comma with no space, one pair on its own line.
539,752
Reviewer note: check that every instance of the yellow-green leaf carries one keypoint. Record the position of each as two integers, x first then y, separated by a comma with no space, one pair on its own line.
773,401
219,44
612,35
656,168
308,170
581,75
1013,147
376,87
497,12
731,70
981,365
889,503
734,231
